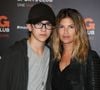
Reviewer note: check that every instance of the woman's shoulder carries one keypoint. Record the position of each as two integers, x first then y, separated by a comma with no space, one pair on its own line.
93,57
93,54
93,70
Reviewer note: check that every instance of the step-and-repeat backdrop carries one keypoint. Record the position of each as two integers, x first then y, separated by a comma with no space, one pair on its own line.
13,15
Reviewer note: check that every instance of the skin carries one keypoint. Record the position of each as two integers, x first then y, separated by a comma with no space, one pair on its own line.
66,33
38,37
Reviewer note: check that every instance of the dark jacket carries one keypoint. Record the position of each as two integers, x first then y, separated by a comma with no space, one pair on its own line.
14,68
78,76
92,71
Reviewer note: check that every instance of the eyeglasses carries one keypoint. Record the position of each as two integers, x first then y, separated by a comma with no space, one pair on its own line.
40,25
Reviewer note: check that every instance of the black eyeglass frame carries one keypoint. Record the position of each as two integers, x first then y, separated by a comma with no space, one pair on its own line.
48,25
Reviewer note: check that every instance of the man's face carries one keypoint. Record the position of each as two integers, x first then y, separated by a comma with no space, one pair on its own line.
41,31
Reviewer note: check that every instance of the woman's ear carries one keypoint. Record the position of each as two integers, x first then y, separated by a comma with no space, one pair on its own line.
29,27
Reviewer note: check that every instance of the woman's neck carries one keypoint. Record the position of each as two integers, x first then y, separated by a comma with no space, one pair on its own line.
68,48
66,56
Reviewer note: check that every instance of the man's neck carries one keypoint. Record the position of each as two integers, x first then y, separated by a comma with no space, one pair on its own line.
36,46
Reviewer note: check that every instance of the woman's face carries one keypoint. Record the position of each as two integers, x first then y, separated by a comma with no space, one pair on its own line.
66,30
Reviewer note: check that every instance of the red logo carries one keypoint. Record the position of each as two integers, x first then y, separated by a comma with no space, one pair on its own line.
4,22
90,25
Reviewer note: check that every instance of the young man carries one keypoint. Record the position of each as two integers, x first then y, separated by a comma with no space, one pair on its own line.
26,65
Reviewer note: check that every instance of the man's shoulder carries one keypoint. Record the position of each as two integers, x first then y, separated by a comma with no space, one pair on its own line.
17,47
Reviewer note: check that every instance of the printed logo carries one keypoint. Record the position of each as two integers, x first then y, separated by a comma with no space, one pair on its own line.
29,3
4,23
4,26
90,26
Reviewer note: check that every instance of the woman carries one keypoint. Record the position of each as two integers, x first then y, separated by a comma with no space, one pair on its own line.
76,66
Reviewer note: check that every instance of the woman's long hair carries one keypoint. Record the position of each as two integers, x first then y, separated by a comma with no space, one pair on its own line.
81,41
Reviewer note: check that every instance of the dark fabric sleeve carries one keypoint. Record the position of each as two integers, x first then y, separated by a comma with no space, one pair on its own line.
51,62
4,73
93,71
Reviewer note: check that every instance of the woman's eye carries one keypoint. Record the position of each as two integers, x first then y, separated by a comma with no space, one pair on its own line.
72,27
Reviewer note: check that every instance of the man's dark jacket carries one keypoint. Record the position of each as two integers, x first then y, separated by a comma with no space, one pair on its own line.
14,68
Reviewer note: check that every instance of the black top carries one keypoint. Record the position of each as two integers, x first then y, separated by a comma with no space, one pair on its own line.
63,80
78,76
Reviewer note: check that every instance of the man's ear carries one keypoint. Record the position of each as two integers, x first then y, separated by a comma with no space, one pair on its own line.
29,27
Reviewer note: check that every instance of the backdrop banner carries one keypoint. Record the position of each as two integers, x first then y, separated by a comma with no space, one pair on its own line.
13,16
